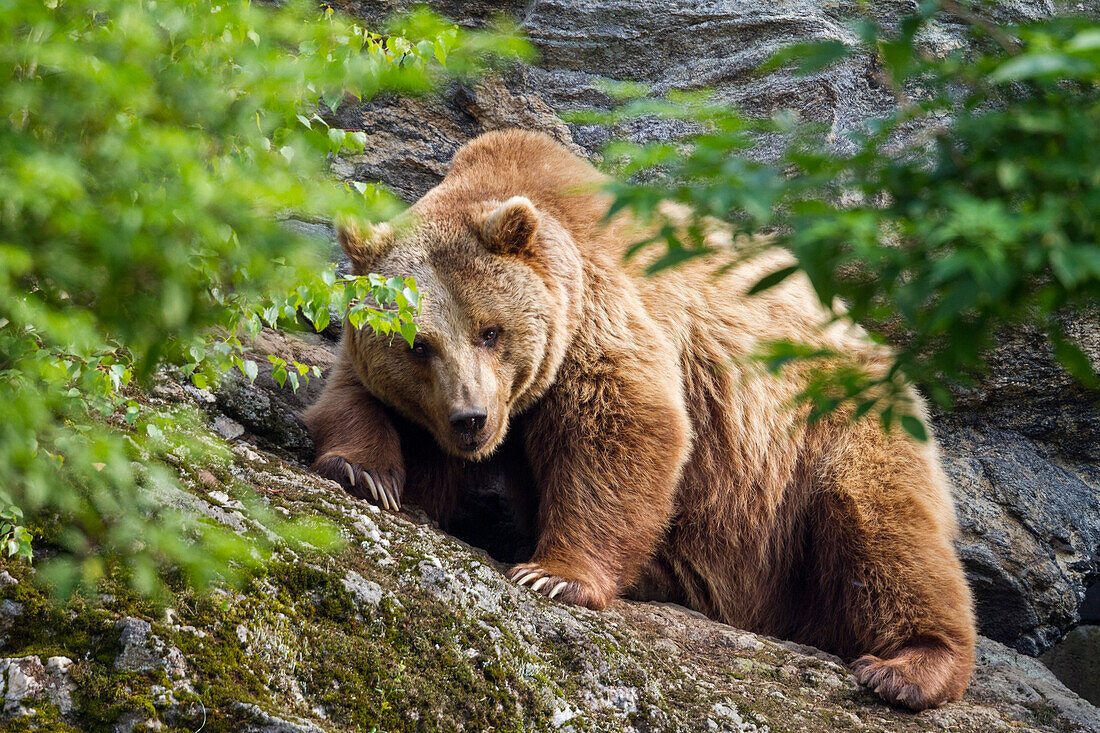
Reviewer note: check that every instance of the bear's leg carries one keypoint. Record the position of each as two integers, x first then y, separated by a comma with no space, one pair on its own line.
892,589
606,453
356,444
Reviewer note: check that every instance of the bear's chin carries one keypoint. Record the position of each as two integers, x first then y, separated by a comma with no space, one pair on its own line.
477,452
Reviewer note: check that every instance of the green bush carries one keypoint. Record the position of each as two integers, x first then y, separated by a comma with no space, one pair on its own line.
147,152
989,219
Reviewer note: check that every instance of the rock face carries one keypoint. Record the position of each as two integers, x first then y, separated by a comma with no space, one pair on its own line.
1022,448
142,651
1024,451
405,628
1030,520
676,45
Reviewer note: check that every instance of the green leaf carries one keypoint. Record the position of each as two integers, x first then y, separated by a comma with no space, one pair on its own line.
773,279
1075,361
914,427
673,257
1086,40
408,331
1041,65
809,57
250,370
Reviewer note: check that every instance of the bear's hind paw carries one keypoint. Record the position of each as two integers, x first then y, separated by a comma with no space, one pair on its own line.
917,678
384,489
541,580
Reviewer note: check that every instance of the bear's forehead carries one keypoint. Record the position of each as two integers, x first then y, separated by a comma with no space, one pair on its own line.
458,279
431,242
444,251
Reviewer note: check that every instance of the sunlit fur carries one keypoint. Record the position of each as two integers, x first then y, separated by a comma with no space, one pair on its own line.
660,461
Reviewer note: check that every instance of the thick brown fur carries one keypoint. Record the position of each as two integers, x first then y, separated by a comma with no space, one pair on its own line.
659,459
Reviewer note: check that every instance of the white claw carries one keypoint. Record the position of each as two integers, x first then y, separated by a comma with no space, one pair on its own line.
558,588
395,494
525,578
540,582
373,487
351,473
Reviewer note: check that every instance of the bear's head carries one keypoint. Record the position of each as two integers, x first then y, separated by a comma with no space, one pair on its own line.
500,295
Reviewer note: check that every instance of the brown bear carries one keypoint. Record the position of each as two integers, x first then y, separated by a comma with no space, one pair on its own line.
658,456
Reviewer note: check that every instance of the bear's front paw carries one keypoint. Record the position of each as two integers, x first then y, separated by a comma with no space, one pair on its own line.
554,585
384,487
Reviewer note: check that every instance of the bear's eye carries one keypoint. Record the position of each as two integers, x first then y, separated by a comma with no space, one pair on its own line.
420,349
489,335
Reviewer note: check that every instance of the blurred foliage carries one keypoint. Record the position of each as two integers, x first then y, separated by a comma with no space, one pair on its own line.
15,539
973,207
147,152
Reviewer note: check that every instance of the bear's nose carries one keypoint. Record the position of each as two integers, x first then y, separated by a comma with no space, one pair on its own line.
468,422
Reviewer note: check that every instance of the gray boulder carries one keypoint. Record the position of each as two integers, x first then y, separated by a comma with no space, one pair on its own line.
405,628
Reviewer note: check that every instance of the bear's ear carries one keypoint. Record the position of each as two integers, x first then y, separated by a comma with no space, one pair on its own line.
363,242
510,229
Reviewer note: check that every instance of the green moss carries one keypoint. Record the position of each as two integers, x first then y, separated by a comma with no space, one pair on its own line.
326,595
45,629
1047,715
407,668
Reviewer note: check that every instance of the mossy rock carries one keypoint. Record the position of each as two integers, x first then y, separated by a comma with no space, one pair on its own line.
407,629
